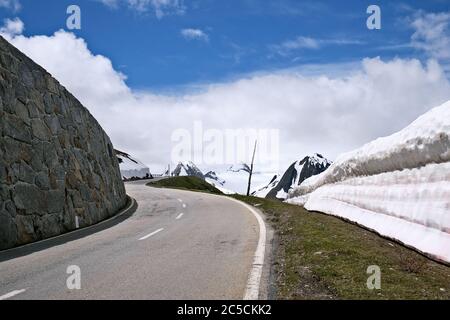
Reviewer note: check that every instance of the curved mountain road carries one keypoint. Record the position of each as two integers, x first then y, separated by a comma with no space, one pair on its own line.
177,245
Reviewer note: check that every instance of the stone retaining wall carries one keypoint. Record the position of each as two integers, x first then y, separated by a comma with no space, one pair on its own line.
56,162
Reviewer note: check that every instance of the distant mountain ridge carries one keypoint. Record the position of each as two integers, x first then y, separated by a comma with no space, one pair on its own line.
212,175
187,168
232,180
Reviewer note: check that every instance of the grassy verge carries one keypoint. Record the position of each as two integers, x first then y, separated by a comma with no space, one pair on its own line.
322,257
186,183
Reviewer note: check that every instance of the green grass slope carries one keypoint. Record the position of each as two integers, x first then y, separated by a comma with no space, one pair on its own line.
186,183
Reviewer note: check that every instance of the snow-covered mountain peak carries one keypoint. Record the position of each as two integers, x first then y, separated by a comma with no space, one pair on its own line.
299,171
187,168
317,159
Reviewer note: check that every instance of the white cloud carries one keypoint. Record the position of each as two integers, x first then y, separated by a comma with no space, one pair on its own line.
12,27
301,42
432,33
160,7
319,112
194,34
13,5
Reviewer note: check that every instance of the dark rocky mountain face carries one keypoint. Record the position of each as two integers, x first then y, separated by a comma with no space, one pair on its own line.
298,172
187,169
57,165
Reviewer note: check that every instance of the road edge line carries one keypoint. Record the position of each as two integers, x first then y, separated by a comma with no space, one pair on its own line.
254,277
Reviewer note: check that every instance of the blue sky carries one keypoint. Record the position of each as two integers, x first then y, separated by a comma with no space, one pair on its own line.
242,35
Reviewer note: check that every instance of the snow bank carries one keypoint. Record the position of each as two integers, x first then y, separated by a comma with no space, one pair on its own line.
424,141
398,186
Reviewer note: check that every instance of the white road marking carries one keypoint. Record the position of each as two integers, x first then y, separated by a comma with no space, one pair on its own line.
254,277
12,294
184,205
179,200
151,234
179,216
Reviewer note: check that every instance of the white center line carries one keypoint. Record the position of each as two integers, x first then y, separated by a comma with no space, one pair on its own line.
179,200
184,205
12,294
151,234
179,216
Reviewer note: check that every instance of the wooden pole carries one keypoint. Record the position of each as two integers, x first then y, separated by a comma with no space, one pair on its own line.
251,170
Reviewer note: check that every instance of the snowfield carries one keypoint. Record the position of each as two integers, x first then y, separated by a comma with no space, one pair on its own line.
237,181
398,186
262,190
234,180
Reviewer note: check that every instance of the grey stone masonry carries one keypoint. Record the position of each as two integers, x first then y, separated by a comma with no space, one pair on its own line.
56,162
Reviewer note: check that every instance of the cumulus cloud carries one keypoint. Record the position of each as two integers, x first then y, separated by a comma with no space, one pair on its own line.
13,5
194,34
12,27
432,33
160,7
321,112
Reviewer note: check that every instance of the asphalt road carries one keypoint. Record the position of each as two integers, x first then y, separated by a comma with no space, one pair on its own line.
177,245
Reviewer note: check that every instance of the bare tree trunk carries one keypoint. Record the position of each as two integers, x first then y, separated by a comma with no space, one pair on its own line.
251,170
